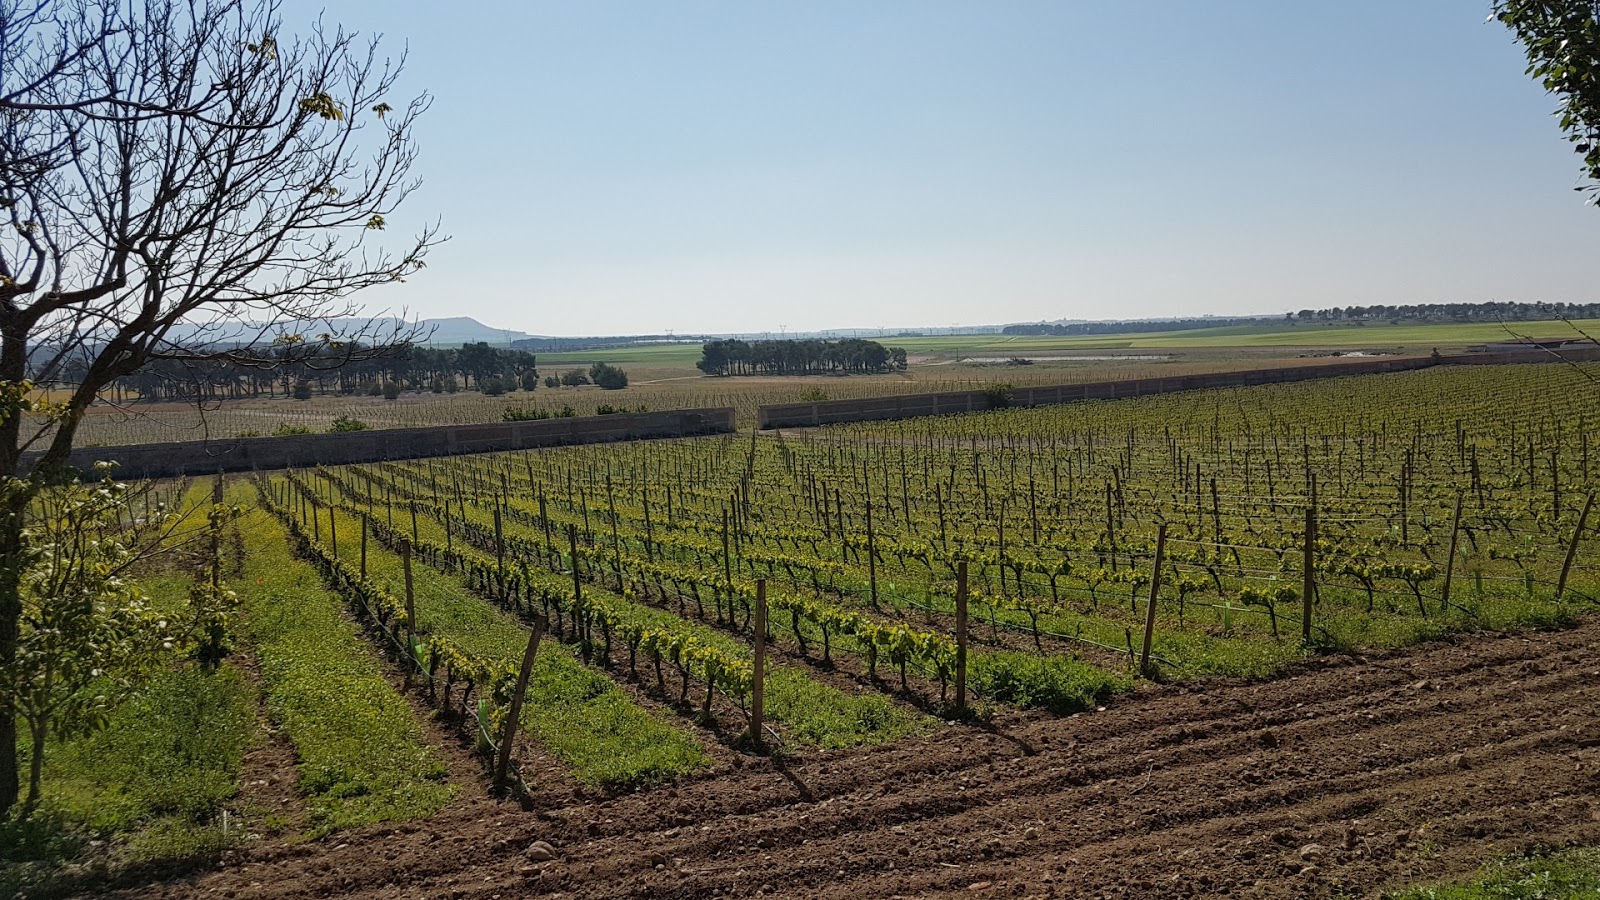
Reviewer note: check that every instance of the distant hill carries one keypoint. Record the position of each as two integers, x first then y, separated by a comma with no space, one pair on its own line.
448,332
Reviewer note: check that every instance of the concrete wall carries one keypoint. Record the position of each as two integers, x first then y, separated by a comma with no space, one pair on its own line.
244,454
793,415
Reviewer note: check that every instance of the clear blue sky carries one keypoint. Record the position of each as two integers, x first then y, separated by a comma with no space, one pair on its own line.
633,167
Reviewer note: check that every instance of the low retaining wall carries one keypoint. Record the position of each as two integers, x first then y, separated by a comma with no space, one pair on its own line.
905,406
243,454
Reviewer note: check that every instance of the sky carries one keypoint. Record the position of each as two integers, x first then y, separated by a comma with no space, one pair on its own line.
642,167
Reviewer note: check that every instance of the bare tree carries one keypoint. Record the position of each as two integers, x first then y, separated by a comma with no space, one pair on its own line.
178,180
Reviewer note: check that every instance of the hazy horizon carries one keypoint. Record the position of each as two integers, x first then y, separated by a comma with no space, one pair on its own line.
613,168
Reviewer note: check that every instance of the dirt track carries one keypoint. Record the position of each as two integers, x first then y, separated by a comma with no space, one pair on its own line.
1347,778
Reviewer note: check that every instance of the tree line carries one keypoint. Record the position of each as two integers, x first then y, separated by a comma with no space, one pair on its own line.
851,356
1491,311
473,366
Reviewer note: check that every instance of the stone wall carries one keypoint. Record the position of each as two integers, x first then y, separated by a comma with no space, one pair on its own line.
201,457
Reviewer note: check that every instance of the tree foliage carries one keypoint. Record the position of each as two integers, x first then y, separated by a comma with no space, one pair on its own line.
852,356
1562,40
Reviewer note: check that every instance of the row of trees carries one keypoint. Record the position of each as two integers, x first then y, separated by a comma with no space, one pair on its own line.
1491,311
477,366
852,356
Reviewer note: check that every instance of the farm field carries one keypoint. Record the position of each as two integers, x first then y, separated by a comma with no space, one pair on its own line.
108,424
1254,750
665,377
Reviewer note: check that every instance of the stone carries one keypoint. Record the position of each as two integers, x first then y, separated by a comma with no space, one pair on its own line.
540,851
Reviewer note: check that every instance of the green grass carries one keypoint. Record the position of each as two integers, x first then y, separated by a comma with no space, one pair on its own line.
1060,684
1553,876
576,712
156,779
821,715
362,756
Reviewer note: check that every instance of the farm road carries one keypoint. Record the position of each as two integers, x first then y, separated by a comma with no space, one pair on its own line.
1351,776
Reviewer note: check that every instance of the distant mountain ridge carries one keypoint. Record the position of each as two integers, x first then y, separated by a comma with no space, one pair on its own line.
452,331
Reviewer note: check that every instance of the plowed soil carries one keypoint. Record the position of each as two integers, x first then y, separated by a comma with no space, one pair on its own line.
1346,777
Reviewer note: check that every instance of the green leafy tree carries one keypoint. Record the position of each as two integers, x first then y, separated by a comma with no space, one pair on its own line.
1562,41
87,638
608,377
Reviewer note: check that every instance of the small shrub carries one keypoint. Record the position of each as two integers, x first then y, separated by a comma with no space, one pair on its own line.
998,395
391,390
815,395
450,385
286,430
520,414
574,378
566,412
530,380
302,390
345,423
607,377
493,386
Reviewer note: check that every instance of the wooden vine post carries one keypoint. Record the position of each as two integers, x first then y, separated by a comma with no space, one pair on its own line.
1308,589
961,635
1450,560
577,576
411,601
502,763
363,546
413,505
499,552
1572,548
1155,591
872,556
758,683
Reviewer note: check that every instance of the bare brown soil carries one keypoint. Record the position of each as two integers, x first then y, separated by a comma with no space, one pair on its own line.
1342,779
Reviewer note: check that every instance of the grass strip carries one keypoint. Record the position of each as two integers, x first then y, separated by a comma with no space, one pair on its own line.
362,755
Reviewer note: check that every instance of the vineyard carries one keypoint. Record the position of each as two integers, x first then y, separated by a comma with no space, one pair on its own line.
1166,538
910,605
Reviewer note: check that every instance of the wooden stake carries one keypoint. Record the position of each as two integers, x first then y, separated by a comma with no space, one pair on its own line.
759,682
1572,548
502,764
363,546
411,604
1308,564
1155,590
872,556
1450,561
961,635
